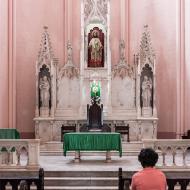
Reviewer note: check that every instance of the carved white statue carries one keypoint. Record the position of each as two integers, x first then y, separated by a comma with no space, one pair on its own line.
146,91
44,91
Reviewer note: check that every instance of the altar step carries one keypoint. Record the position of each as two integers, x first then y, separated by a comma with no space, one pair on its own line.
56,149
80,188
81,180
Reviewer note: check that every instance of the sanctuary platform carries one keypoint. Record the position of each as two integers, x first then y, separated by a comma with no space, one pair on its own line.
92,172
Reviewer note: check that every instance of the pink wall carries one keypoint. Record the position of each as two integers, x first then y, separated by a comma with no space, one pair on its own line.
4,79
30,16
187,65
162,26
115,34
76,30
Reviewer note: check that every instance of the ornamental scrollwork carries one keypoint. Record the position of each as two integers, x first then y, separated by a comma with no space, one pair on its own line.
123,69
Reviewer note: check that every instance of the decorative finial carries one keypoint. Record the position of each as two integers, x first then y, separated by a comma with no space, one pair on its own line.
146,49
46,51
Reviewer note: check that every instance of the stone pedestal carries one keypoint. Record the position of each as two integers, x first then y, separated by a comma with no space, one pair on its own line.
44,112
108,156
146,111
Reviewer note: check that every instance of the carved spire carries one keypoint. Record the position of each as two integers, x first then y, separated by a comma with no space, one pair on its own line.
122,69
69,70
146,50
45,52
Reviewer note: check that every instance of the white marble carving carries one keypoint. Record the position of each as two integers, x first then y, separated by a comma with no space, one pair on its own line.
146,83
146,50
122,69
170,147
146,91
95,10
123,82
68,84
123,92
45,78
12,158
121,86
88,6
45,54
69,70
44,91
68,93
102,6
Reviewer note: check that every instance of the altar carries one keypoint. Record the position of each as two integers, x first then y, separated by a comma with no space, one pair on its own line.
127,91
92,141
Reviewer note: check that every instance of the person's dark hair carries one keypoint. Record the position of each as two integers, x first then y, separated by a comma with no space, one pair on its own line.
148,157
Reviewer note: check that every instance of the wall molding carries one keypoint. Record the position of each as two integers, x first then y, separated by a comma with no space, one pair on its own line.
180,68
12,63
187,64
124,24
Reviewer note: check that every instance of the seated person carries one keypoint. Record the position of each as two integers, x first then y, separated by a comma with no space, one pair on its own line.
149,178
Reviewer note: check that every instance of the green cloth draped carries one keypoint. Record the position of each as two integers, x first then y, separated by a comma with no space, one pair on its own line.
95,89
9,134
92,142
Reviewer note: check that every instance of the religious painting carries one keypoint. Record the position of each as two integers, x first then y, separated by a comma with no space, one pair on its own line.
96,48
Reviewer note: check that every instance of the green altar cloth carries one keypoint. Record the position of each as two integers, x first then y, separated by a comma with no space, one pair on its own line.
92,142
9,134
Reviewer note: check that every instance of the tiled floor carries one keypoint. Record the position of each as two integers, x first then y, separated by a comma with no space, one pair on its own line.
98,163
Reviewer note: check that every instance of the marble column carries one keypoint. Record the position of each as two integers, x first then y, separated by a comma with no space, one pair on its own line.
180,67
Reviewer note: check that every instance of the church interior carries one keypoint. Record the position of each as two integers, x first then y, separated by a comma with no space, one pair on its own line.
85,85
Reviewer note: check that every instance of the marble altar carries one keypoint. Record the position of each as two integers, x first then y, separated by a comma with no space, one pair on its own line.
126,98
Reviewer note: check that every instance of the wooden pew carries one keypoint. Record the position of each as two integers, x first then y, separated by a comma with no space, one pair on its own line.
23,180
172,180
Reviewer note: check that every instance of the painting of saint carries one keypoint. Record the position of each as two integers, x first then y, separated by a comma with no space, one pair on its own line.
95,49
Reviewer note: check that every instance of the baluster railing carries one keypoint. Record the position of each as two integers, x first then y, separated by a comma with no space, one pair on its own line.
162,146
11,150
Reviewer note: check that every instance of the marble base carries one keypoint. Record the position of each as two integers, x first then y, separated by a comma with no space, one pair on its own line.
147,112
49,129
44,112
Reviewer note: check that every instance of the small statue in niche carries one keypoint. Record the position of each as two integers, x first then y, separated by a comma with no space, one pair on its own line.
95,46
146,91
44,91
